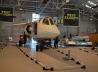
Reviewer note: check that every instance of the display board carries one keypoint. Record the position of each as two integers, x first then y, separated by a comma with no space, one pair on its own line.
71,17
6,14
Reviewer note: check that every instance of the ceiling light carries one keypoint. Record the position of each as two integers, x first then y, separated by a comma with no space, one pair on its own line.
91,19
67,1
83,4
88,6
91,3
20,8
92,8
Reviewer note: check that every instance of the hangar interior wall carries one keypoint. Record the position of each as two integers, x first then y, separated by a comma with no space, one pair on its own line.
96,22
86,26
6,28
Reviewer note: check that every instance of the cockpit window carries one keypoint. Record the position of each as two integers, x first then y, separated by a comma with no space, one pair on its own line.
45,21
51,21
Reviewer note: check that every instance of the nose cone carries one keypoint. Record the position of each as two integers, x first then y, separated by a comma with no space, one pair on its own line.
49,34
47,31
52,35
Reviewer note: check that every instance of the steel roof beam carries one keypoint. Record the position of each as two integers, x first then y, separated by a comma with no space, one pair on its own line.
45,7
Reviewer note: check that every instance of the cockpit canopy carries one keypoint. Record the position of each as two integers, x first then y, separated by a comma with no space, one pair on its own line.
48,21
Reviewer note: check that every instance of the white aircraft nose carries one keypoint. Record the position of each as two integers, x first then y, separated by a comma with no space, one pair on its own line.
52,34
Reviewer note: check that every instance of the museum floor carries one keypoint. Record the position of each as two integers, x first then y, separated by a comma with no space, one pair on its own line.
20,59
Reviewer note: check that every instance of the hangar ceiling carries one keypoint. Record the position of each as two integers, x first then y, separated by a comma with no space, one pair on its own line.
50,6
